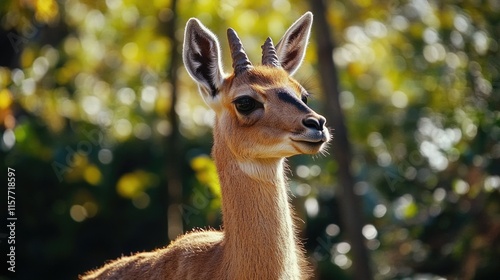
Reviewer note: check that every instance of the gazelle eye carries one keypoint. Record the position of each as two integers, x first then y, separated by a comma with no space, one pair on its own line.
246,105
304,99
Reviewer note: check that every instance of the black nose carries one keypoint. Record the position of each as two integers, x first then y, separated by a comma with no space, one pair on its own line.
316,123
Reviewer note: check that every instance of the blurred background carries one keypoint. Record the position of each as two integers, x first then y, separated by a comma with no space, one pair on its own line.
110,141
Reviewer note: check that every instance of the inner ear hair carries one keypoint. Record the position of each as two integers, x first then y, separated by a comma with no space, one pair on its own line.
292,46
201,55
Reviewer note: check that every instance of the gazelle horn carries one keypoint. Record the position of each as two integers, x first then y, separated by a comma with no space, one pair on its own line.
269,56
241,63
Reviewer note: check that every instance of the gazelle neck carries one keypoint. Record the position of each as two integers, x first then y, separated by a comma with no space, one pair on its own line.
258,228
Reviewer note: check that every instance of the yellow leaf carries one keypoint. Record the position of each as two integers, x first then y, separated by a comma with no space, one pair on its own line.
92,175
46,10
5,99
411,210
206,173
355,69
200,162
133,184
363,3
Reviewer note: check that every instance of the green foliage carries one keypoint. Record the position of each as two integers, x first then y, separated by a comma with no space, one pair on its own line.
84,114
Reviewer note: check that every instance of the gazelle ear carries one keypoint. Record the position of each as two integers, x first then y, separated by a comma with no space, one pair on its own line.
202,58
292,46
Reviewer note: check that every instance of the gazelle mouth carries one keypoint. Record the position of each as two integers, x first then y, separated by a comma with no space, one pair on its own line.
312,142
305,145
318,137
308,147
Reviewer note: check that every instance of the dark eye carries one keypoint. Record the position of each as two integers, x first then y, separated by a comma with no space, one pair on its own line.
304,99
245,105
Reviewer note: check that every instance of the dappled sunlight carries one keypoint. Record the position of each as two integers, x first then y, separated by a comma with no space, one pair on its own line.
132,185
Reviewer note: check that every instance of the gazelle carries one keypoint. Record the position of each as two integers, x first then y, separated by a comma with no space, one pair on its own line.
261,118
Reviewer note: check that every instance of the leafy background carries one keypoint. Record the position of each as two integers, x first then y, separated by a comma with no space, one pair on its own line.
110,141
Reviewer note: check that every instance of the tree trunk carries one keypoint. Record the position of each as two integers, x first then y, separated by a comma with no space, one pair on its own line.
174,167
350,206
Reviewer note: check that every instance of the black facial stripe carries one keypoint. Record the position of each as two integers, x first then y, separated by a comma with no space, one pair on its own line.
288,98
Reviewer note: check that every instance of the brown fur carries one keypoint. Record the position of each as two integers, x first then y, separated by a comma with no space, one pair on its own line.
258,240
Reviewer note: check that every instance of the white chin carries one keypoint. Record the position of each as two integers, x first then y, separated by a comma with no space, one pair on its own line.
309,148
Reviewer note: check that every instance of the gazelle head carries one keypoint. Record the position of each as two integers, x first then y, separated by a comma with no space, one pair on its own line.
261,111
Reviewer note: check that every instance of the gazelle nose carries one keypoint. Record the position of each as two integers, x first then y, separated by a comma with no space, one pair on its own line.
315,123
